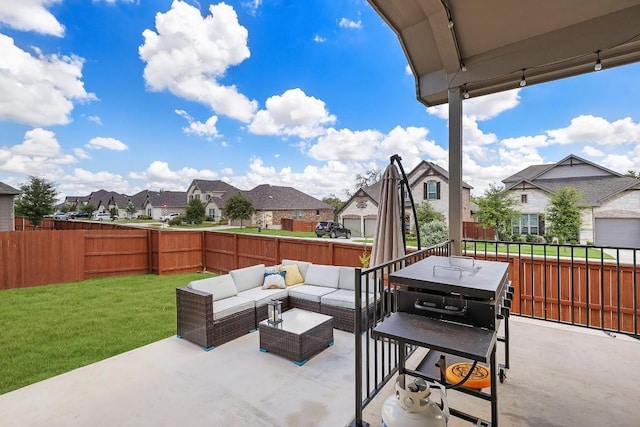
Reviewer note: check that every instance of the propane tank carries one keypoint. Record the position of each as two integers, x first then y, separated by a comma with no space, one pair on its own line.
410,406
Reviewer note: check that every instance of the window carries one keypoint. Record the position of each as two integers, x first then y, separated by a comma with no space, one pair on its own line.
197,196
523,198
296,214
212,214
431,190
525,224
190,197
317,211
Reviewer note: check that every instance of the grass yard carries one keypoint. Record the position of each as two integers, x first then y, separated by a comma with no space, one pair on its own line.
270,232
548,250
49,330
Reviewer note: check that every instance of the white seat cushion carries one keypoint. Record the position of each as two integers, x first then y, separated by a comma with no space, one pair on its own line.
263,296
232,305
309,292
220,287
323,275
345,299
248,277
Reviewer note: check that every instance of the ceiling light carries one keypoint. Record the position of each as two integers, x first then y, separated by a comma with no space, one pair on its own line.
465,92
598,65
450,24
523,81
463,67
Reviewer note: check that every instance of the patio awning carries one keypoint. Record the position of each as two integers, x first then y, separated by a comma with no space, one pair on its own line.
487,44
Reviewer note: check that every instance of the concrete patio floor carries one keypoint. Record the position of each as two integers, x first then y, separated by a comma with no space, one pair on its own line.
559,376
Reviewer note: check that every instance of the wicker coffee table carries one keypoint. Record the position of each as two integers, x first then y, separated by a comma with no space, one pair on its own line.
301,335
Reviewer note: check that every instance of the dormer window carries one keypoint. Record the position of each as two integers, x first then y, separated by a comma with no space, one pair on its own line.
523,198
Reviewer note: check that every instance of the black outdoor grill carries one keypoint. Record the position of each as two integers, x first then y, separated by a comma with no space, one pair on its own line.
454,307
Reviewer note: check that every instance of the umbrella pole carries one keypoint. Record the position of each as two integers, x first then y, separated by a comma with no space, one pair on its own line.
396,158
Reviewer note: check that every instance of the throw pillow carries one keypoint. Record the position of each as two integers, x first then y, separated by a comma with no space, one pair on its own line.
274,280
293,277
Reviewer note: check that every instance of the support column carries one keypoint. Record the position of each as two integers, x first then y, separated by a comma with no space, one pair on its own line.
455,169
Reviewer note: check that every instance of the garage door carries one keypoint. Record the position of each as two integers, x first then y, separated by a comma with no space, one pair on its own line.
353,224
369,226
618,232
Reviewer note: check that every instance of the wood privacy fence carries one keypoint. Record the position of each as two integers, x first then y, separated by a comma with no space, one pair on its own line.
32,258
476,231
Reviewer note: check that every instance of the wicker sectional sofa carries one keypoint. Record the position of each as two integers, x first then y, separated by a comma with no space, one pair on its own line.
219,309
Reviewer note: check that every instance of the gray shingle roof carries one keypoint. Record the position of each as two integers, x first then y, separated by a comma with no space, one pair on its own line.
594,190
527,173
8,190
216,185
412,176
271,197
172,199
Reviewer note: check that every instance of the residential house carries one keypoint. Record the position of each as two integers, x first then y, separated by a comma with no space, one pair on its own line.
7,196
271,203
610,201
150,203
158,203
428,183
214,194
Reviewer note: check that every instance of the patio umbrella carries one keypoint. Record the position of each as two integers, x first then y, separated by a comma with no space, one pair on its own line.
387,242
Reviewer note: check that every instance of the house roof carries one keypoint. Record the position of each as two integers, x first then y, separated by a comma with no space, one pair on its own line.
172,199
271,197
430,165
214,186
8,190
594,187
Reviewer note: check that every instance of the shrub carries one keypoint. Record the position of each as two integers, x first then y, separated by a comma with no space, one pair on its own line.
434,232
176,221
530,238
223,222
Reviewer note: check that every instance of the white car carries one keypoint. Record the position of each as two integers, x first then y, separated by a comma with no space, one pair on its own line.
169,217
101,216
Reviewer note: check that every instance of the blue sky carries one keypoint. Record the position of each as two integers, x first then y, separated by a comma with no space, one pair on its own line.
127,95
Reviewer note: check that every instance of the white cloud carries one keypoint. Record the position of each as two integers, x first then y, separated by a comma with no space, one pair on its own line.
293,113
207,129
83,182
160,175
407,70
112,2
592,129
81,154
107,143
38,90
319,39
410,143
95,119
252,5
31,15
347,23
189,53
592,151
483,107
39,154
621,162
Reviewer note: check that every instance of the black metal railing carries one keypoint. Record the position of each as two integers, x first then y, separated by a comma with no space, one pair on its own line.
377,360
589,286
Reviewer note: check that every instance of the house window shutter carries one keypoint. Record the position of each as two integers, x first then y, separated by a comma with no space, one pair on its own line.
438,190
425,191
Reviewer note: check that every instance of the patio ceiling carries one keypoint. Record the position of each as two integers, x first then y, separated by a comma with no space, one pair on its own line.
491,42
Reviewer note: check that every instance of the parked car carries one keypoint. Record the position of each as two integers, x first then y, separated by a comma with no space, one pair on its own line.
83,215
101,216
169,217
332,229
61,215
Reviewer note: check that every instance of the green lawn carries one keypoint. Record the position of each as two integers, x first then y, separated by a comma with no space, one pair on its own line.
270,232
548,250
49,330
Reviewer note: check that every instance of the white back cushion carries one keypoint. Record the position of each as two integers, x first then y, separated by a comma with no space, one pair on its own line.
347,278
248,277
220,287
323,275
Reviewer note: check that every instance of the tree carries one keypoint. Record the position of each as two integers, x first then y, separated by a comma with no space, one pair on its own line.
495,209
370,177
238,207
88,208
130,209
632,174
426,213
563,213
335,202
195,211
38,199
